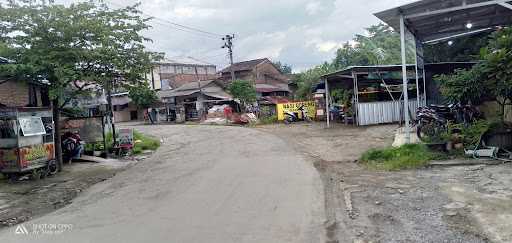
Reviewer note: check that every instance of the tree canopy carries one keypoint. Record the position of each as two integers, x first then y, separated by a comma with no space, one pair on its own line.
142,96
242,90
283,67
61,44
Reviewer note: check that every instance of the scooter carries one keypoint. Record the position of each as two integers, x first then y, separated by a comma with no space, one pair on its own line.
290,117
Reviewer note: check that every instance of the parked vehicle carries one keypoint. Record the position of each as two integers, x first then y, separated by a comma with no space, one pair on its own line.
301,115
26,143
72,146
432,121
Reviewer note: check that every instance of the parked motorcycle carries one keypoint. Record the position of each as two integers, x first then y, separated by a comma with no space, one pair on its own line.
72,146
432,121
290,117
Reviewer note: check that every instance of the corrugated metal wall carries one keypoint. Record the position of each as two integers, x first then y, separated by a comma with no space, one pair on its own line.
383,112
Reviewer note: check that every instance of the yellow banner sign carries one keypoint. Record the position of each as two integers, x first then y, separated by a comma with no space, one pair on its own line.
294,107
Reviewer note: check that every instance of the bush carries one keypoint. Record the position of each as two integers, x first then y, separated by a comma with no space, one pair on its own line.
408,156
142,142
268,120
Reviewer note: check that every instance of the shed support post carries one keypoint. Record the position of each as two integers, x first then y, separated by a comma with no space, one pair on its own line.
327,105
404,79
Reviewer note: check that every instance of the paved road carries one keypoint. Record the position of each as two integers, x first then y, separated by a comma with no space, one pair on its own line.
205,184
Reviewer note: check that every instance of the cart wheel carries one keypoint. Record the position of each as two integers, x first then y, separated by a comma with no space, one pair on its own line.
51,168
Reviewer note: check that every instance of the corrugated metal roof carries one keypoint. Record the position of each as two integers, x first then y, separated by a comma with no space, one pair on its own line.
436,19
244,66
186,60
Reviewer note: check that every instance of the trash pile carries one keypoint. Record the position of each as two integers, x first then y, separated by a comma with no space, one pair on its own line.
218,115
223,114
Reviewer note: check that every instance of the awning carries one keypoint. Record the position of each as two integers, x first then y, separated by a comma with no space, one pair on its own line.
120,100
431,20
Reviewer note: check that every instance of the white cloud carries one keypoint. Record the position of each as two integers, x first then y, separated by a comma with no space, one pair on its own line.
313,8
302,33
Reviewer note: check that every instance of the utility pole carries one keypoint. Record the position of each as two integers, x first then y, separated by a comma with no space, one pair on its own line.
228,39
200,97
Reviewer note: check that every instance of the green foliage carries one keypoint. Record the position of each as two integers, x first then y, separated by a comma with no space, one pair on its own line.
283,67
242,90
142,142
408,156
142,96
472,133
83,41
268,120
342,96
463,86
380,46
497,66
146,143
307,79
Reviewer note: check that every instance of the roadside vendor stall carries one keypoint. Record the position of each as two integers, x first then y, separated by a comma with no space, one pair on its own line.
375,93
26,142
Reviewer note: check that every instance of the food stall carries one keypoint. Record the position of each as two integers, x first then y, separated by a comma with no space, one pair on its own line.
27,143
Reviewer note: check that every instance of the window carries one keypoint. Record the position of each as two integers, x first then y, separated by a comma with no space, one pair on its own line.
31,126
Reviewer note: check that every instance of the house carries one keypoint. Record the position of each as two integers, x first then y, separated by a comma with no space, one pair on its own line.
167,74
175,72
189,101
267,78
15,93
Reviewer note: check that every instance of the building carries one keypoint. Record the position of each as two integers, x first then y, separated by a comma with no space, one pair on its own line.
15,93
267,78
175,72
188,101
166,75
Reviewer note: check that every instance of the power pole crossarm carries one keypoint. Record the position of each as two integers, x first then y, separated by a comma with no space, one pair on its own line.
229,44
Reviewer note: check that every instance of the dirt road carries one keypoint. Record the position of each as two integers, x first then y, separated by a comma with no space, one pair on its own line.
205,184
441,204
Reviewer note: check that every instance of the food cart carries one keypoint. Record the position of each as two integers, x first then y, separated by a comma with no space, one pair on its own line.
26,143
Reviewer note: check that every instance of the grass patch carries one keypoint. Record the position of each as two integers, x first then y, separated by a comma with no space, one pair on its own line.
143,142
268,120
408,156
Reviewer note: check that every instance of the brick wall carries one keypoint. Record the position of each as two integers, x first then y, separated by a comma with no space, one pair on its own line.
14,93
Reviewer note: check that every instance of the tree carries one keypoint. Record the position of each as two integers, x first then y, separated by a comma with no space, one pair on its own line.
309,78
61,45
497,66
463,86
242,90
283,67
142,96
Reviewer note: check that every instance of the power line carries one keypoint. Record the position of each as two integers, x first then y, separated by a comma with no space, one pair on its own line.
177,26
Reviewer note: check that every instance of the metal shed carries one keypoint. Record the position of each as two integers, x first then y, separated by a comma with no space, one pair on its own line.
377,91
431,21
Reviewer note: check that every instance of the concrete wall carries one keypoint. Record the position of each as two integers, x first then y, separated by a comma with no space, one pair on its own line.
124,114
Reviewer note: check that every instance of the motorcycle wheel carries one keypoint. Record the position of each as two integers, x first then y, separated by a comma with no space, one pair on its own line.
288,120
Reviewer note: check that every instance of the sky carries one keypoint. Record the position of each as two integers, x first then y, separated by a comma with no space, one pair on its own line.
301,33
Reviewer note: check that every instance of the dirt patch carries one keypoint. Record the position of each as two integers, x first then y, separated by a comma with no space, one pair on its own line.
372,206
26,199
